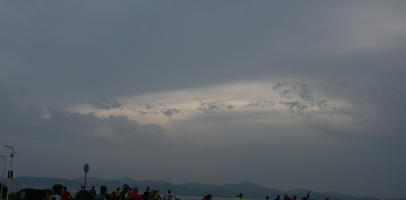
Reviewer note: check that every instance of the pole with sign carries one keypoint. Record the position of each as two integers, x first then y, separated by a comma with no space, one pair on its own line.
10,172
3,175
86,170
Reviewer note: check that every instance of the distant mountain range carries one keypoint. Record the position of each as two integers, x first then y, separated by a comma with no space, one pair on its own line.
249,190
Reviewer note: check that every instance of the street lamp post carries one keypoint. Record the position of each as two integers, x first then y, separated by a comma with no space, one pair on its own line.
10,176
86,170
3,175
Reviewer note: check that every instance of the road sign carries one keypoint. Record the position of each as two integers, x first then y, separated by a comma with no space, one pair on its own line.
10,174
86,168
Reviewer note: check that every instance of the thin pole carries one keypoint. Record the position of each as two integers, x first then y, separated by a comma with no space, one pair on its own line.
4,175
11,169
85,179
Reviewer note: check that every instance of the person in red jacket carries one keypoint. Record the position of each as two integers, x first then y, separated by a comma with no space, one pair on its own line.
133,194
207,197
65,195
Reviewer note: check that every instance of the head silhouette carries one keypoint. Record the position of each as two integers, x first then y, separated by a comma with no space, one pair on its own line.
103,189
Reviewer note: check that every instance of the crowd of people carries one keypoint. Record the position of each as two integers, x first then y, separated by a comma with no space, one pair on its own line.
286,197
132,193
60,192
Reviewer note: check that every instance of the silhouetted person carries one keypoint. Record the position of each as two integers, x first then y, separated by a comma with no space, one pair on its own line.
307,196
146,193
278,197
133,194
124,192
65,195
92,192
286,197
157,196
139,197
267,197
240,197
115,195
170,196
83,194
103,194
56,192
207,197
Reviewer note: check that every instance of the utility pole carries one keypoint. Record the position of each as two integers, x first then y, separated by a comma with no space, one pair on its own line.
10,172
3,174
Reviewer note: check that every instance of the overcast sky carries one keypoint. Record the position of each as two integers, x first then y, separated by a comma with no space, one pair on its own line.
286,94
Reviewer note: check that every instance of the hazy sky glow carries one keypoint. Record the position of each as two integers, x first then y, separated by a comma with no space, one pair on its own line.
284,94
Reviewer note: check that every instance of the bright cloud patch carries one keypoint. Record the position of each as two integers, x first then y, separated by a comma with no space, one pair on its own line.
297,99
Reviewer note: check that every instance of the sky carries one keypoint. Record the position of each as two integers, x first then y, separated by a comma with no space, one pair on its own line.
285,94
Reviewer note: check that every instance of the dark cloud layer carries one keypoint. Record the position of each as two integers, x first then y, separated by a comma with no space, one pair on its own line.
52,124
70,49
62,53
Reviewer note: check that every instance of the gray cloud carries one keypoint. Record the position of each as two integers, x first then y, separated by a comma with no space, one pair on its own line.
209,106
153,30
54,123
54,55
294,105
261,104
170,112
303,91
106,103
149,106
